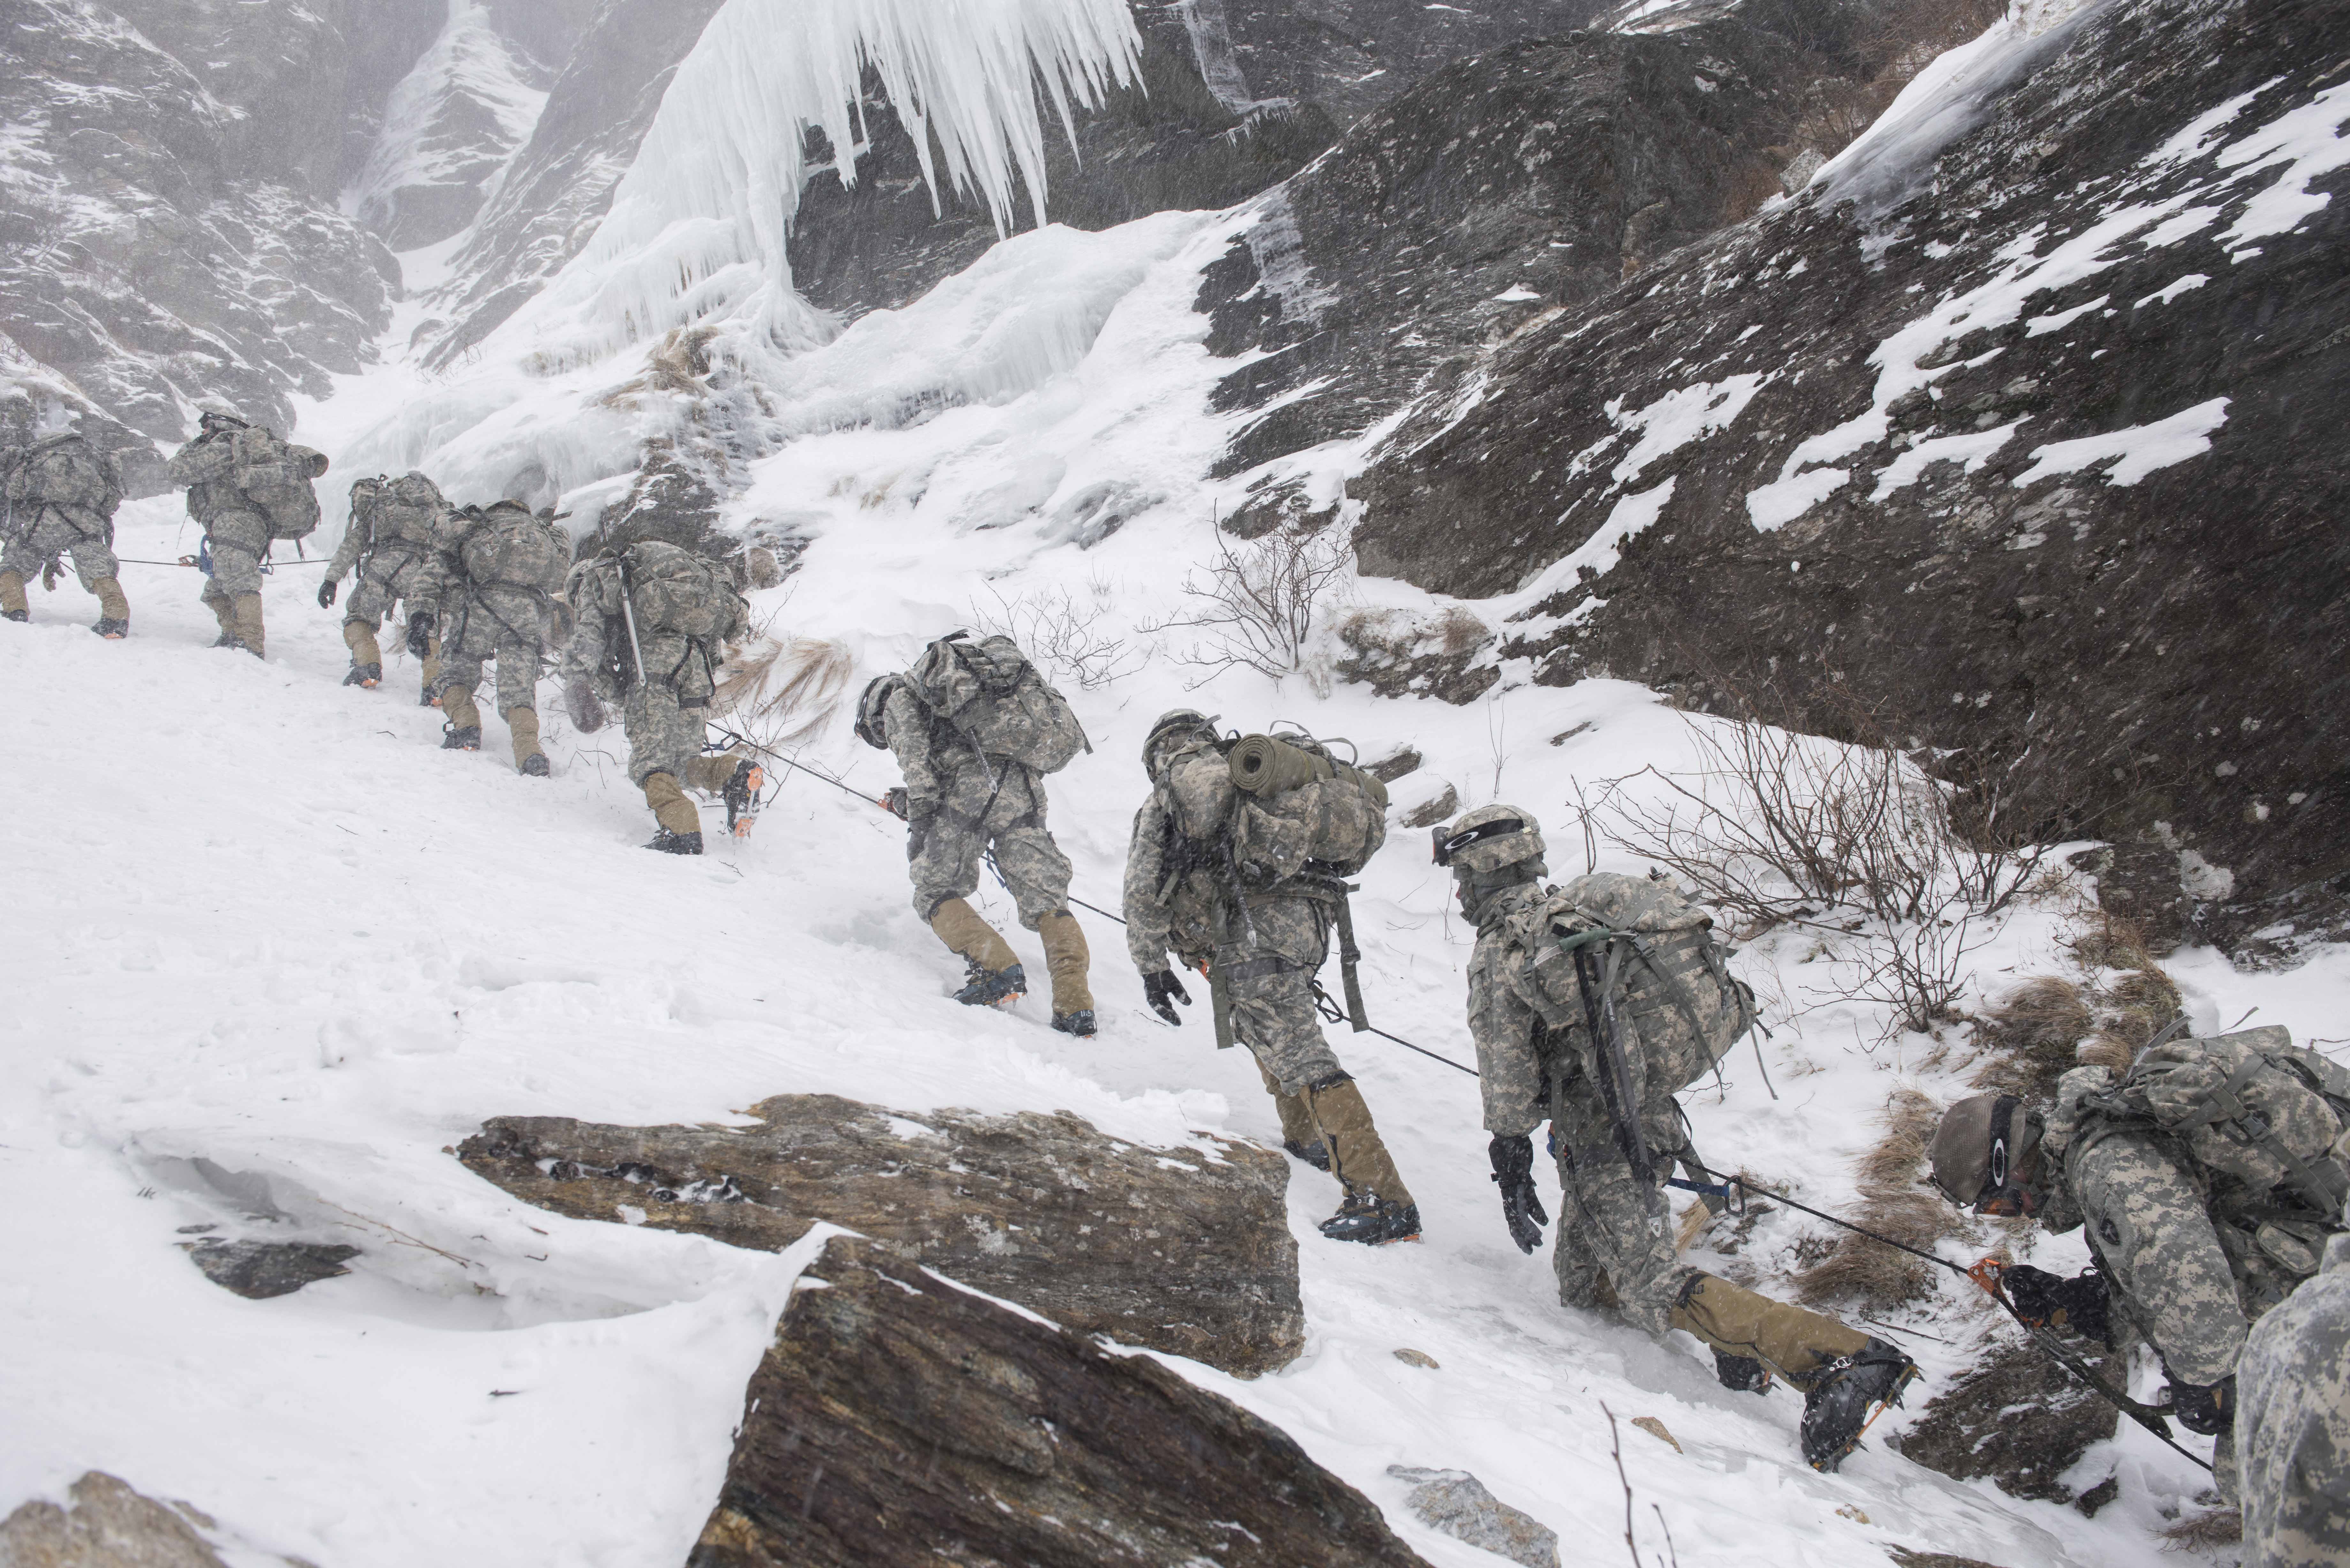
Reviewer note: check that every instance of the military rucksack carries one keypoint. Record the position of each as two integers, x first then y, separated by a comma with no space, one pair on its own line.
65,471
275,475
1670,974
673,589
504,546
407,509
990,693
1297,802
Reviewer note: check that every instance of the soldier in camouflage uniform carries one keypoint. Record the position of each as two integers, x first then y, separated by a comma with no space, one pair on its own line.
493,618
664,704
1183,892
40,528
958,807
393,568
2293,1428
236,531
2187,1253
1615,1247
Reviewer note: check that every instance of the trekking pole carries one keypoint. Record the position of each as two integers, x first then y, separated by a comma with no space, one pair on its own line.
1986,1276
629,616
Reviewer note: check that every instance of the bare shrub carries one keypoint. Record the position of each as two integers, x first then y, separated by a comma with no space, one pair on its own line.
1864,1271
781,691
1064,632
2206,1531
1258,604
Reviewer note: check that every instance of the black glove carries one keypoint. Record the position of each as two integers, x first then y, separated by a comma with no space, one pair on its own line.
586,709
2043,1299
2207,1410
1513,1168
419,634
1158,988
327,593
895,801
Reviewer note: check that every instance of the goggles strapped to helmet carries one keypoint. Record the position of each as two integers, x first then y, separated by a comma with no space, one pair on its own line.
1446,845
2003,1195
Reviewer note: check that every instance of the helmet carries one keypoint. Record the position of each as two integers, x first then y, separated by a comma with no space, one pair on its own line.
1174,729
1487,840
212,412
869,726
1983,1142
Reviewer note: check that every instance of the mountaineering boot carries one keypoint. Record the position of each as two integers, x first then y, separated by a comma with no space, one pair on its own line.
1379,1207
741,794
367,675
1851,1392
672,842
1065,959
12,597
986,987
1299,1135
114,610
1365,1216
1741,1373
456,739
524,724
458,707
15,615
250,633
678,816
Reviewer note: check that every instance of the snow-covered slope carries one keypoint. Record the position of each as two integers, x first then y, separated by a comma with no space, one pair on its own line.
450,126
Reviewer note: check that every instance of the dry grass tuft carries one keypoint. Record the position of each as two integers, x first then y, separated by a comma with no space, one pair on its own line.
783,689
2206,1531
2048,1025
2032,1034
1861,1269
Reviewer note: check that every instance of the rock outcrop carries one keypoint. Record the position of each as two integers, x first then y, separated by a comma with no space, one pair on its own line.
1180,1249
2011,434
896,1418
260,1269
1464,1508
2015,1418
104,1523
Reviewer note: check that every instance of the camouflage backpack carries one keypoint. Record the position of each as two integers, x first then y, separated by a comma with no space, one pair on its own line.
408,509
673,589
996,700
1671,976
65,471
1296,802
503,545
275,476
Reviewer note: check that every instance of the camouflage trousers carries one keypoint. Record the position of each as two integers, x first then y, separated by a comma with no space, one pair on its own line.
943,850
1270,987
54,533
478,625
517,663
1615,1229
2292,1425
2151,1231
663,738
238,541
385,579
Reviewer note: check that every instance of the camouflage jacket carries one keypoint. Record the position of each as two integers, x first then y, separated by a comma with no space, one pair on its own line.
599,650
1505,1013
207,466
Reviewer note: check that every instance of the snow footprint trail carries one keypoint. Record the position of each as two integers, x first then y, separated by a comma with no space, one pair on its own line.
260,922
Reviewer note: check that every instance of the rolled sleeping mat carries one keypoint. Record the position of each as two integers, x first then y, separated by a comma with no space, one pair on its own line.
1262,765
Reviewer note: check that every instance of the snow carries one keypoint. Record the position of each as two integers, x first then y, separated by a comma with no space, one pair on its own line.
1973,448
2140,449
2301,143
467,64
1680,417
1776,505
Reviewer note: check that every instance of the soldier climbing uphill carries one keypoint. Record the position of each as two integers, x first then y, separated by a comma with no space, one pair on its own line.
1238,862
650,627
975,730
61,496
2293,1434
2203,1178
389,542
500,568
247,489
1591,1005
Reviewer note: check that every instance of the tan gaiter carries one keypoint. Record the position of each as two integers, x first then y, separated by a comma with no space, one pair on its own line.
1296,1122
671,809
524,722
432,666
248,622
710,771
959,926
12,593
458,705
360,638
1793,1341
1066,958
1359,1156
222,611
112,605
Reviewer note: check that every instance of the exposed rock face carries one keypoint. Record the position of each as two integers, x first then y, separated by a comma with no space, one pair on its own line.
105,1524
168,226
897,1419
1166,1248
2015,1418
2139,639
260,1269
1461,1505
451,126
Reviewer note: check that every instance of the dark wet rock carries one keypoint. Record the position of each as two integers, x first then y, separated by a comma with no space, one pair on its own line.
2139,883
1403,653
1180,1249
2097,1496
2015,1418
896,1418
259,1269
669,501
1435,809
105,1522
1395,764
2127,661
1458,1504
